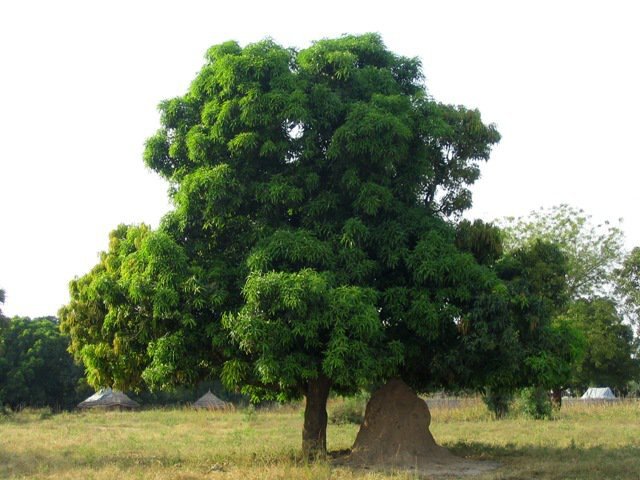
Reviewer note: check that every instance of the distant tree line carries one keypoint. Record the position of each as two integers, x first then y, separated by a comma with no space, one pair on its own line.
37,370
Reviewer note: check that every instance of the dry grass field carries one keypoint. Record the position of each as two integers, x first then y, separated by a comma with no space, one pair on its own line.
583,442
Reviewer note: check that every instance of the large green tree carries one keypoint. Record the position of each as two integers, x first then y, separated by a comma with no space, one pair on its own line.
552,347
309,247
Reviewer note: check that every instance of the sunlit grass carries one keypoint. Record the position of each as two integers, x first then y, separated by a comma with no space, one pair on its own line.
583,441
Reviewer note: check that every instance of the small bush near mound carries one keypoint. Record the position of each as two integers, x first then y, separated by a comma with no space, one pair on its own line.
349,410
534,402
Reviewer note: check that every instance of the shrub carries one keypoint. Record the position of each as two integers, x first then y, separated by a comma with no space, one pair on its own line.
535,403
633,389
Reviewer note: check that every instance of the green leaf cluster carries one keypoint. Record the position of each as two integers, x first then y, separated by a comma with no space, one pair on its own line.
602,289
611,350
35,368
593,252
136,312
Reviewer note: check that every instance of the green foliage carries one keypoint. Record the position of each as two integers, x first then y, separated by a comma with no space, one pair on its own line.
308,190
132,315
560,352
610,357
535,403
600,348
289,318
633,389
482,240
536,275
593,251
35,368
546,349
628,286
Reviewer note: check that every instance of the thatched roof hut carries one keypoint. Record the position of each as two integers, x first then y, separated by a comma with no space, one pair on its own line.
109,399
210,402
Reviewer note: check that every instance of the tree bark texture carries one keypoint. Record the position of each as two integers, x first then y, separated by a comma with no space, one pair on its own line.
314,433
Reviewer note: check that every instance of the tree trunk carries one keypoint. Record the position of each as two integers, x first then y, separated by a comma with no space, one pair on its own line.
556,397
314,433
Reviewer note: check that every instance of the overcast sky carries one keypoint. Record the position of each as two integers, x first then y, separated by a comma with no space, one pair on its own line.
80,82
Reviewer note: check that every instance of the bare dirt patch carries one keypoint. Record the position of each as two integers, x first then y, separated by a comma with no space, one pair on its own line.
395,436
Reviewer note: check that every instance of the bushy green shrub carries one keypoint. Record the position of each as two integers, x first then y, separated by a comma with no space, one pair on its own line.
534,402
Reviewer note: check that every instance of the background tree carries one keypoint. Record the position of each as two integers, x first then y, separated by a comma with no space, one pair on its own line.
483,240
611,350
2,300
602,288
628,287
133,316
593,251
543,350
548,349
35,367
309,244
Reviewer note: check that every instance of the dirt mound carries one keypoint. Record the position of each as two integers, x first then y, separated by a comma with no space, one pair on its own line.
395,435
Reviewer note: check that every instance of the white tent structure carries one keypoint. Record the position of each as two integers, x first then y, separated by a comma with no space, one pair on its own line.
210,402
593,393
109,399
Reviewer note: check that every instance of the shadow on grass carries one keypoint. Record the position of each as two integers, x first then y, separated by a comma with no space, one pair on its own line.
548,462
517,461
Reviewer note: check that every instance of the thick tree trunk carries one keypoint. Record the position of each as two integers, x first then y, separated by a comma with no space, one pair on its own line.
314,433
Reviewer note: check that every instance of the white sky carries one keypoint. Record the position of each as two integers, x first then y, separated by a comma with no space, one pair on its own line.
80,81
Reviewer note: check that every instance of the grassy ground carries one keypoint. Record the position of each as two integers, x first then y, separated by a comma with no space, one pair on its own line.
583,442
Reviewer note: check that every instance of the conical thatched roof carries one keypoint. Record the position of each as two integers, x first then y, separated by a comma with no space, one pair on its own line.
108,398
211,402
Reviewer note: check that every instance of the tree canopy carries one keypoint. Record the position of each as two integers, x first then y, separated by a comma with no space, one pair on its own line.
35,367
611,350
628,286
593,251
311,245
603,288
